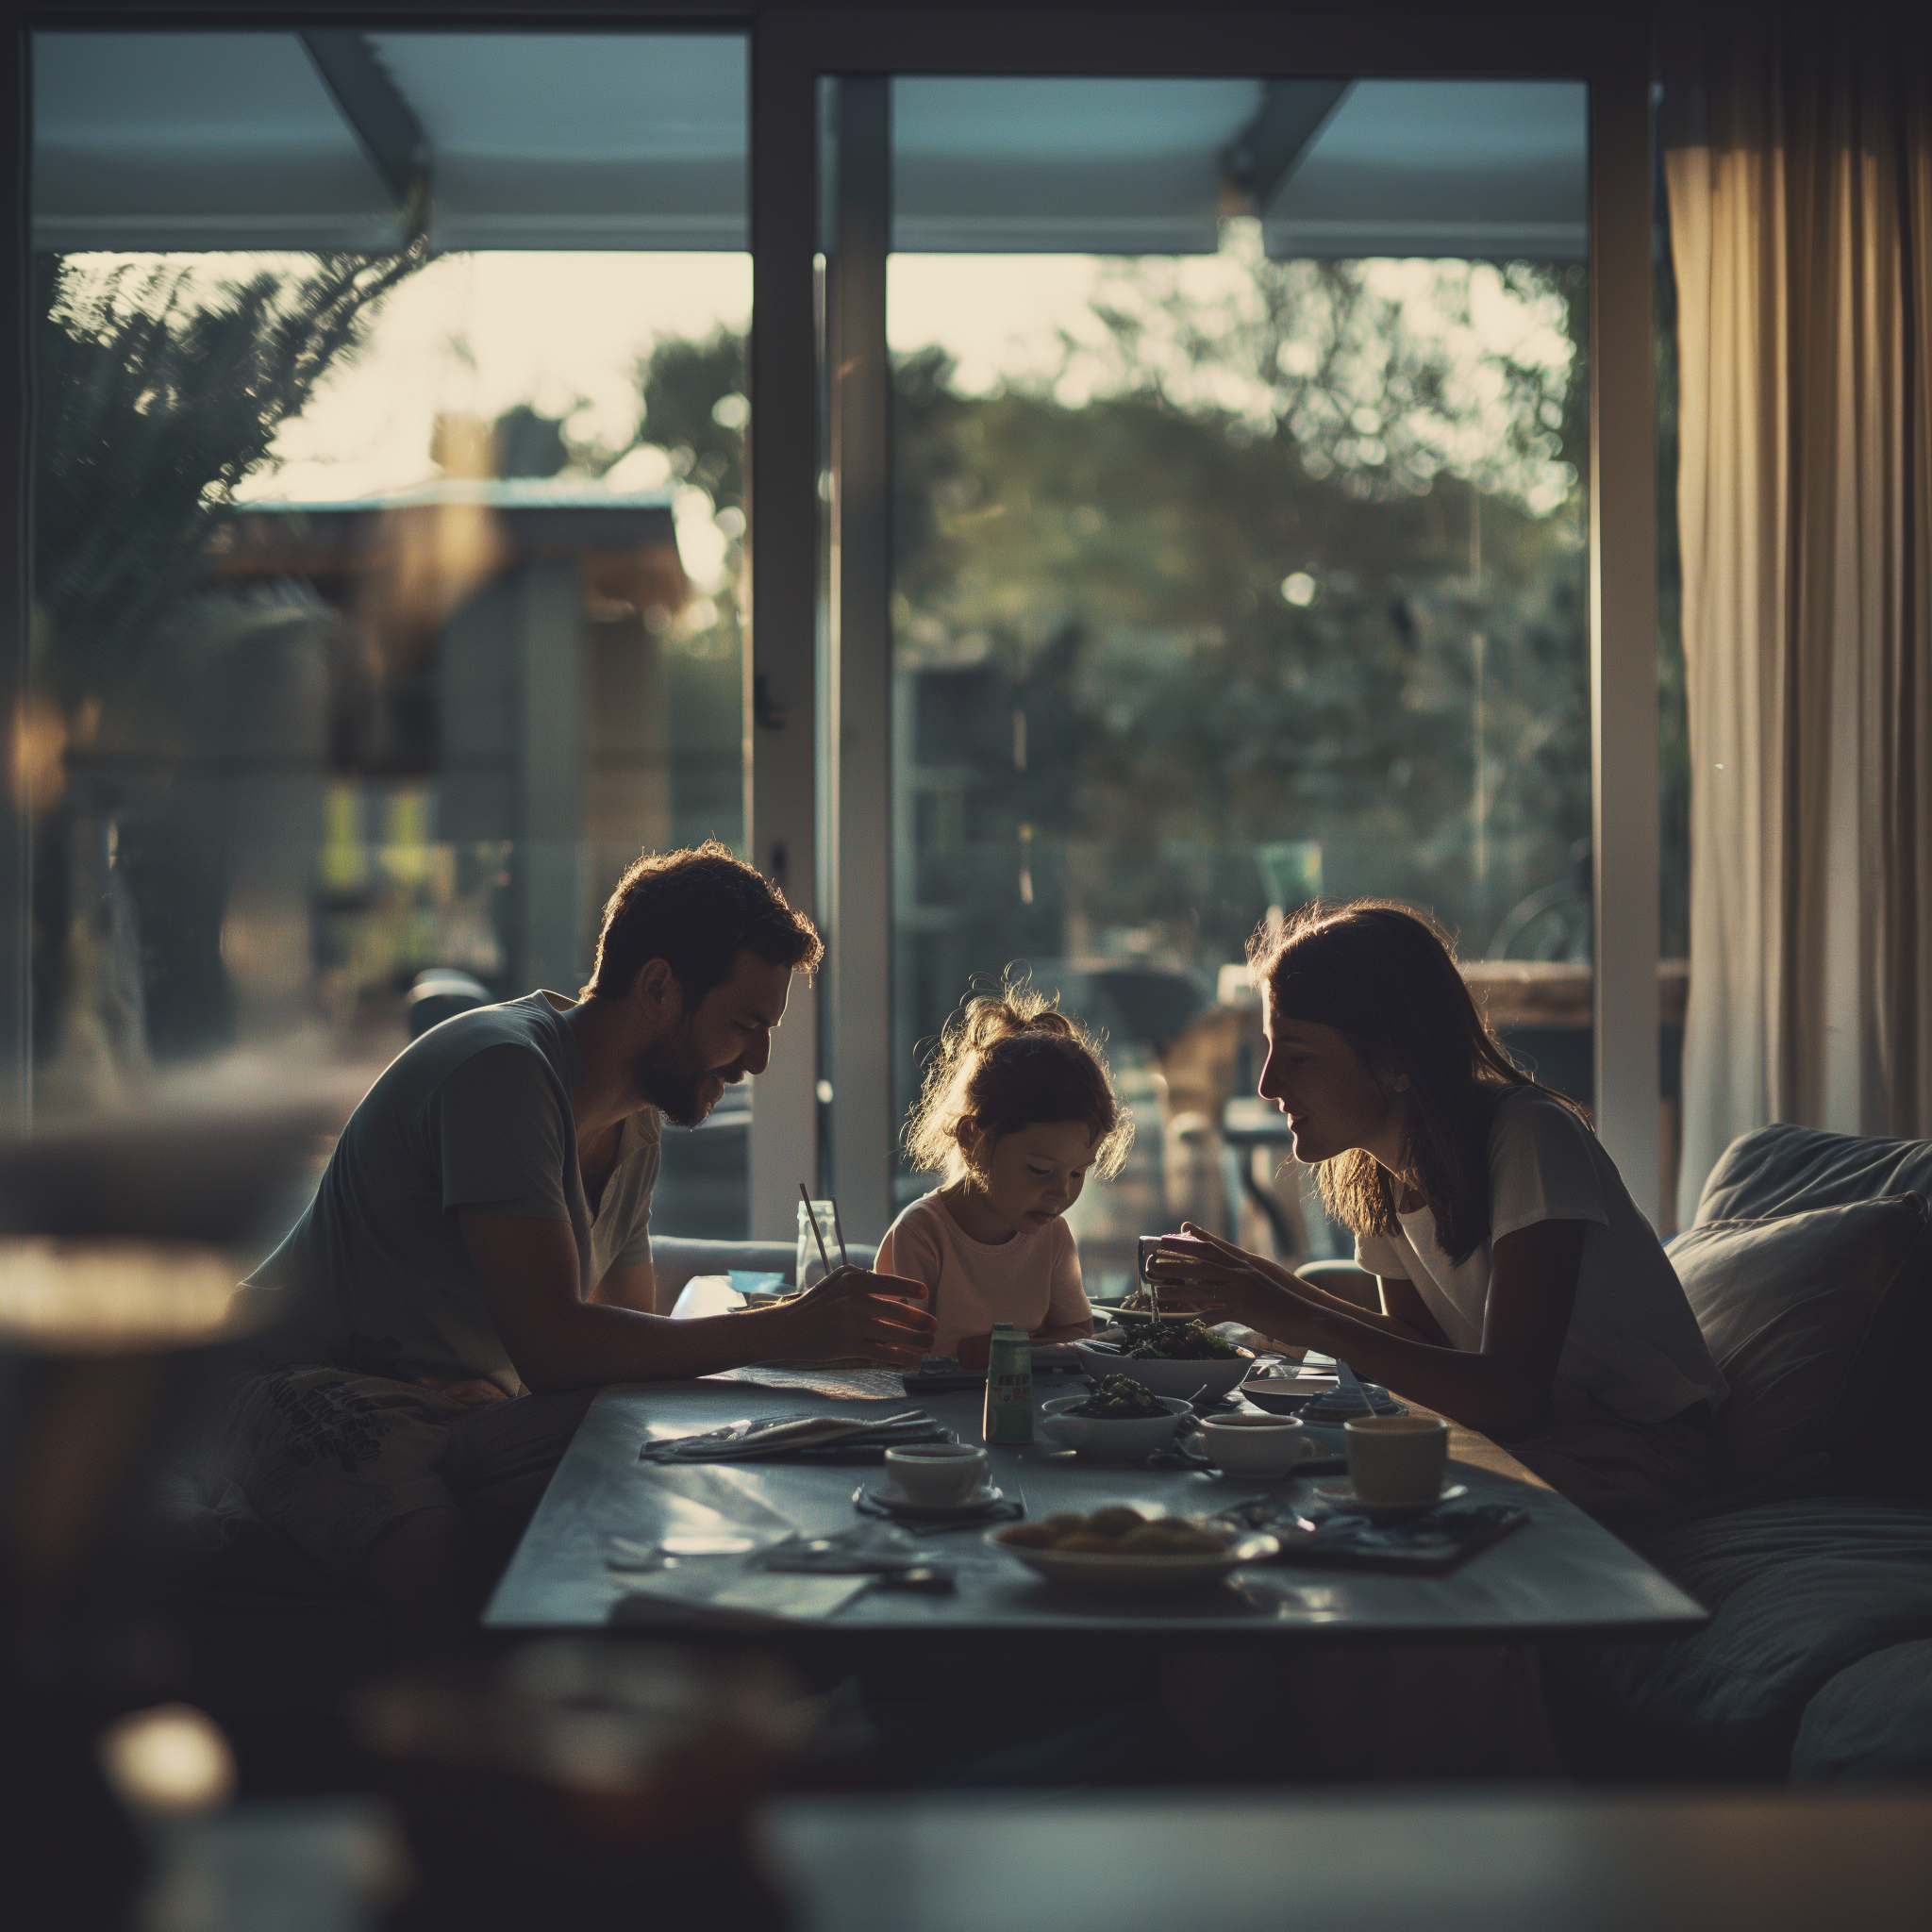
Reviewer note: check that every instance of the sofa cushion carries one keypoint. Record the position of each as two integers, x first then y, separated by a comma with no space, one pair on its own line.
1872,1724
1806,1315
1798,1591
1787,1169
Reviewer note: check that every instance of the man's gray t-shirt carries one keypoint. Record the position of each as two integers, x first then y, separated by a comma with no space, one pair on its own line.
474,1114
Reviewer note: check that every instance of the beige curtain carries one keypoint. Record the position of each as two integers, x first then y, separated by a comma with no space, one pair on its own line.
1798,157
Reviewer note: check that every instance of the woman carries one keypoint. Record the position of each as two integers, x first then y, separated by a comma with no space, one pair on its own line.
1522,1293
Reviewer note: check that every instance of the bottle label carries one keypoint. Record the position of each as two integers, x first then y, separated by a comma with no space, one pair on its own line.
1009,1392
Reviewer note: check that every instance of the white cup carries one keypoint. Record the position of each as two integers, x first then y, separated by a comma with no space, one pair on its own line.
936,1473
1264,1445
1397,1459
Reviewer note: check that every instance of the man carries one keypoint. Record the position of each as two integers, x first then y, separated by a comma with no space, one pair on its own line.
477,1260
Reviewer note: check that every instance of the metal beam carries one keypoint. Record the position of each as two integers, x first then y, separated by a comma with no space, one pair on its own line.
378,115
1267,151
1622,604
859,671
782,504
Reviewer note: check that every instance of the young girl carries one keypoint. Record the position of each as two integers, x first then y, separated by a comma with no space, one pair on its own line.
1016,1110
1522,1293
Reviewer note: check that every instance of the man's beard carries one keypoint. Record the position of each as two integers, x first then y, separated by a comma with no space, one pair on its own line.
673,1077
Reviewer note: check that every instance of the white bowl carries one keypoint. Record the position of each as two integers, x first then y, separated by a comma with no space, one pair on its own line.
1169,1377
1258,1445
1132,1575
1126,1440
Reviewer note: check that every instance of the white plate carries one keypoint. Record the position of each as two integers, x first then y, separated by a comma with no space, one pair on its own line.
890,1496
1095,1573
1341,1493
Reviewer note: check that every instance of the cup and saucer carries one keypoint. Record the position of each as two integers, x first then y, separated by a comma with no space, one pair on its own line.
1339,1494
1397,1468
936,1482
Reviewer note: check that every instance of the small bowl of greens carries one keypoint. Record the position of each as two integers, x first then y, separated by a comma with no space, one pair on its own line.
1117,1419
1170,1359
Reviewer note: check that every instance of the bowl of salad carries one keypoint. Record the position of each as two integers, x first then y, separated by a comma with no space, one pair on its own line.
1170,1359
1118,1418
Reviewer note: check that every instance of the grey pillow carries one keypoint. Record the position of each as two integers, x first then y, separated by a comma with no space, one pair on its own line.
1807,1316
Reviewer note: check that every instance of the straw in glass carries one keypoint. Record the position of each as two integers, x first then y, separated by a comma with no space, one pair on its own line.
825,1258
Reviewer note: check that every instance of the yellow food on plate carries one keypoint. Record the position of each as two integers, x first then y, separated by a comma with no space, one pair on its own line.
1035,1535
1118,1519
1170,1538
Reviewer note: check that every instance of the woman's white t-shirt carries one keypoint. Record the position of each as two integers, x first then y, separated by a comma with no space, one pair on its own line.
1634,1346
1032,1280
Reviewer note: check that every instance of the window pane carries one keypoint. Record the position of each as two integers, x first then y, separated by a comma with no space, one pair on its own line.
386,563
1236,574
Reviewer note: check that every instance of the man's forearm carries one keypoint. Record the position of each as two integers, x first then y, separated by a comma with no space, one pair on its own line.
593,1343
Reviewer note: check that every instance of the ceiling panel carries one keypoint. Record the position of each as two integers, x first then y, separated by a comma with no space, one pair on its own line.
213,140
1062,166
195,141
1495,170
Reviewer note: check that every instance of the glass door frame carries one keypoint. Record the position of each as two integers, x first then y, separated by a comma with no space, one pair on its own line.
817,732
834,773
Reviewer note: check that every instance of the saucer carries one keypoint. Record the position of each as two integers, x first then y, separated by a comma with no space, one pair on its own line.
1340,1494
889,1497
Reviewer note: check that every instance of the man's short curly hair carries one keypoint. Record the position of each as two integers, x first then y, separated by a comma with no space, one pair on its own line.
696,911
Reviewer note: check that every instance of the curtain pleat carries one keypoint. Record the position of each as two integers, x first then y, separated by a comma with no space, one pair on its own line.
1798,162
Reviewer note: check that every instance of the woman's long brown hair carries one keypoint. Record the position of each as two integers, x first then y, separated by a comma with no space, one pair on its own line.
1385,977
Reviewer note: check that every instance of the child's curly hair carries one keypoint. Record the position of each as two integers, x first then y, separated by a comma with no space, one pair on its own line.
1008,1060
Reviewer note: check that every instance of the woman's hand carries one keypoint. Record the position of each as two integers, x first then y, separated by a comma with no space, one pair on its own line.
1201,1273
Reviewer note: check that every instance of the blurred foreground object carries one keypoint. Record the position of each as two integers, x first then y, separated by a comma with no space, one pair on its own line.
575,1780
215,1167
1678,1861
169,1762
119,1247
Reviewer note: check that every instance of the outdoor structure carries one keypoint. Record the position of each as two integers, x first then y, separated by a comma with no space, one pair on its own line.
503,652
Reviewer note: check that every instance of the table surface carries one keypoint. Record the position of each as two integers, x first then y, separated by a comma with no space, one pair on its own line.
1562,1574
1242,1861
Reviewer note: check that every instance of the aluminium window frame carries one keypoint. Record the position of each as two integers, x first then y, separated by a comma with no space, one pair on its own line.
790,813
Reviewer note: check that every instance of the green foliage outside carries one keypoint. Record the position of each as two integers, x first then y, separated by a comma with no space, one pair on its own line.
153,398
1283,568
156,392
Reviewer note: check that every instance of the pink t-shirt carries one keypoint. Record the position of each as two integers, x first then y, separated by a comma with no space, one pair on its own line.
1032,1281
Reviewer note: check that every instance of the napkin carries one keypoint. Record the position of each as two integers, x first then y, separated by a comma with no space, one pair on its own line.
728,1592
842,1385
791,1435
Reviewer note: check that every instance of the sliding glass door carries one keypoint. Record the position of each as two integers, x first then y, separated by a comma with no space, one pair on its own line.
1239,430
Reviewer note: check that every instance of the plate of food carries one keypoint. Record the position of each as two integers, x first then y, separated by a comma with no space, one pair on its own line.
1125,1550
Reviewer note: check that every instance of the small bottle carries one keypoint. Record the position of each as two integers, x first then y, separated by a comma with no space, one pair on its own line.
1009,1385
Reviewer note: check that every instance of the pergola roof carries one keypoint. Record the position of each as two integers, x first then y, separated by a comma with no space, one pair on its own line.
330,137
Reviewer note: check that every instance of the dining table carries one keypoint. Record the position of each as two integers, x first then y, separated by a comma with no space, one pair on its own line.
595,1553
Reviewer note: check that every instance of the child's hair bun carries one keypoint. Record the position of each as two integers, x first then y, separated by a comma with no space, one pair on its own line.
990,1017
1008,1060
